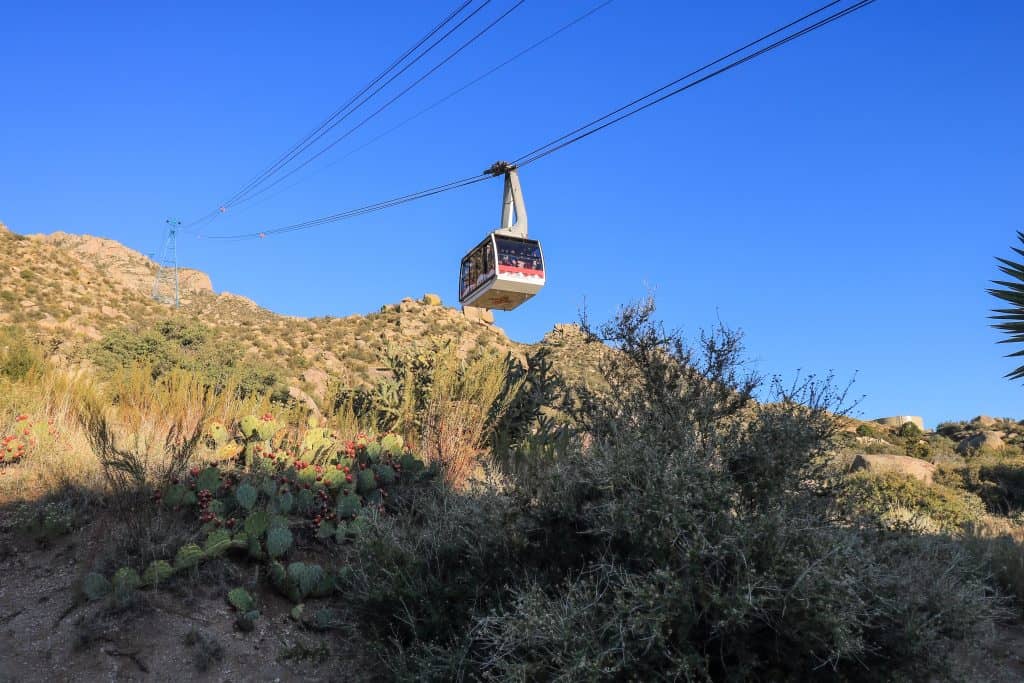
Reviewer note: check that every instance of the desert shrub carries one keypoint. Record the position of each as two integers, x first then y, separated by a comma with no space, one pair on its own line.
184,345
941,448
948,429
998,543
917,448
898,500
687,540
19,355
998,480
447,405
868,430
909,430
143,432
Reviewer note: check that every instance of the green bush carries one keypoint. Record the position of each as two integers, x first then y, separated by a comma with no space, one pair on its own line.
190,346
895,499
687,540
997,480
867,430
19,356
909,430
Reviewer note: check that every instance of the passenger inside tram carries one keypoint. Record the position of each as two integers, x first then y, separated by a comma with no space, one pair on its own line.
519,255
477,269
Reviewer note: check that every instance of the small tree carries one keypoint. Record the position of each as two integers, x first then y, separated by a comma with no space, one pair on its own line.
1012,292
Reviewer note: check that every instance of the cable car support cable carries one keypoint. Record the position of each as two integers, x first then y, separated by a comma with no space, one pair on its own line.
248,193
330,121
582,131
387,104
442,100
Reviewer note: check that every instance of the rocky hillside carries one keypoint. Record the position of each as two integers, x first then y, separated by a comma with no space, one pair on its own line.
72,292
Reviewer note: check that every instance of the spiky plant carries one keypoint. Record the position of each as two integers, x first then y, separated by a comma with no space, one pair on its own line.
1012,318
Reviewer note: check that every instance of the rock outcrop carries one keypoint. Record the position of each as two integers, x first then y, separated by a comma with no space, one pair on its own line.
989,440
122,264
903,464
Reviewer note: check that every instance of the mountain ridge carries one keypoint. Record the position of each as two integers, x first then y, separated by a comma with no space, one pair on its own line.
71,292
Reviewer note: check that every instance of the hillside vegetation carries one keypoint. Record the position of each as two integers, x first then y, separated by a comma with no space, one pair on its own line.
88,300
408,495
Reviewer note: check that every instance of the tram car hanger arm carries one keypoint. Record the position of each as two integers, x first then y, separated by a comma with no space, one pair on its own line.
507,268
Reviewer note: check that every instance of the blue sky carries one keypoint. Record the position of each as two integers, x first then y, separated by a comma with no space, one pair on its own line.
841,200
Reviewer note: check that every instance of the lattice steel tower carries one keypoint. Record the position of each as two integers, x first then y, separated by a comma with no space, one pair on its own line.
165,286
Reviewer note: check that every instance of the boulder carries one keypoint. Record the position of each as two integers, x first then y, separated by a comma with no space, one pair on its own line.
317,381
978,441
432,299
302,397
903,464
483,315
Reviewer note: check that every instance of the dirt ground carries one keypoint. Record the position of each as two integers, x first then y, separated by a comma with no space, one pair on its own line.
47,634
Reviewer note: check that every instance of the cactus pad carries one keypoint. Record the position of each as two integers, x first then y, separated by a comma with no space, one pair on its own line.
188,556
246,495
96,586
249,426
365,481
392,444
256,523
157,572
279,539
240,599
217,543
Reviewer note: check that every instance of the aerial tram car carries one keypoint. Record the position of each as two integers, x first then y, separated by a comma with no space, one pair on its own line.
507,267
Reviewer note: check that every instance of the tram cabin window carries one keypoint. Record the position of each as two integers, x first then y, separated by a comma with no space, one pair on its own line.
477,268
520,255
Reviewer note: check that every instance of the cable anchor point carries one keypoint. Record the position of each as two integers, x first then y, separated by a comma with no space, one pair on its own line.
500,168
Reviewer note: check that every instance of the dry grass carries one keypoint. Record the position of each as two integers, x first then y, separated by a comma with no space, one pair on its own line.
465,401
1000,542
145,432
61,456
123,434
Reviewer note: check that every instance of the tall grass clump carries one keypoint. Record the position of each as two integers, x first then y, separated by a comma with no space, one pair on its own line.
144,431
37,396
683,533
446,406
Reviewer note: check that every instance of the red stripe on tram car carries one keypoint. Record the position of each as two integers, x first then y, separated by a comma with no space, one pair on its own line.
521,271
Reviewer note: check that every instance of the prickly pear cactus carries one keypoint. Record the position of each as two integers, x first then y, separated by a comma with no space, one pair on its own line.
385,474
316,440
392,444
256,523
365,481
279,540
188,556
246,495
373,451
267,427
96,586
240,599
305,577
217,543
124,583
219,433
348,506
156,573
249,426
